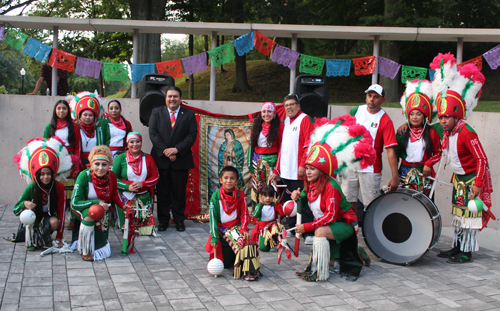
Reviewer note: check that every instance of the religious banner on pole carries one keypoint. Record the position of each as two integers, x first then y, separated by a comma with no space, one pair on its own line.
222,140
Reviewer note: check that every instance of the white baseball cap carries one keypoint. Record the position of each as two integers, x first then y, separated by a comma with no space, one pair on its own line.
377,88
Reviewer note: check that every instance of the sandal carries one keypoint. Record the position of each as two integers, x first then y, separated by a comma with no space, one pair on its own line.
30,248
309,277
88,257
250,277
461,258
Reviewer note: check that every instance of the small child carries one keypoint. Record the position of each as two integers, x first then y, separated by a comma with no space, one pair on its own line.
229,237
266,212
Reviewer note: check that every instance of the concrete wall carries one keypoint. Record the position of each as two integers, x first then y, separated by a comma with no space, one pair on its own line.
25,117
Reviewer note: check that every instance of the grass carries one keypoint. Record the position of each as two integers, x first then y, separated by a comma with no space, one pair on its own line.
118,95
270,82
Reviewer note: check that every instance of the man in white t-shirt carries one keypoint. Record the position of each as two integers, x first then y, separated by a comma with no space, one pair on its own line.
381,128
290,165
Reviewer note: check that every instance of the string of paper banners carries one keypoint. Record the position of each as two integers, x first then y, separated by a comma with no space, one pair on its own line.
224,54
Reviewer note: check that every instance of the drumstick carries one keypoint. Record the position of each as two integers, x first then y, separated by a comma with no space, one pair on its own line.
437,174
297,235
439,181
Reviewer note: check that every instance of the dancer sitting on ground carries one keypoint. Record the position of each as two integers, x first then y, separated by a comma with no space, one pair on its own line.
95,185
336,146
40,162
229,238
267,213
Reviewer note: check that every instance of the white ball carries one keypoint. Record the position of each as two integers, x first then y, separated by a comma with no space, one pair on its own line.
27,217
475,206
215,267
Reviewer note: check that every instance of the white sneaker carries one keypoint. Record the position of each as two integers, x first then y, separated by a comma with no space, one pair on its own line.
309,240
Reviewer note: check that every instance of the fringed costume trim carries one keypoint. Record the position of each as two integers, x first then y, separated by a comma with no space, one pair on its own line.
321,258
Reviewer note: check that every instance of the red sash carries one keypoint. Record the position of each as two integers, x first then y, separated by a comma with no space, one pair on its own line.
210,249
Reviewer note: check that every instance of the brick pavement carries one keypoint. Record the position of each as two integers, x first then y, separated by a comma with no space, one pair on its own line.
169,273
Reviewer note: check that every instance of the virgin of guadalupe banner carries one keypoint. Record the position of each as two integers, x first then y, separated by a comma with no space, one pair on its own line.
222,140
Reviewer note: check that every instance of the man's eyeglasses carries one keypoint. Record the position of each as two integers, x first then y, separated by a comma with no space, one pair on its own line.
291,96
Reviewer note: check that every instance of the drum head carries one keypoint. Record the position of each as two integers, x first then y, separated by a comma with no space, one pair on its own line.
397,227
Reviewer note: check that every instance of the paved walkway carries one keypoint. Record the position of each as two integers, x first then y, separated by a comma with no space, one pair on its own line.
169,273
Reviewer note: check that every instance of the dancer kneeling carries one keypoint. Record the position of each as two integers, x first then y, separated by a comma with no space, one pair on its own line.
96,185
336,146
229,239
267,212
41,206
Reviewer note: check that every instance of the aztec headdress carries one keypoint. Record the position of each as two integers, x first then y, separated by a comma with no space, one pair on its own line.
40,153
457,91
418,96
340,144
86,101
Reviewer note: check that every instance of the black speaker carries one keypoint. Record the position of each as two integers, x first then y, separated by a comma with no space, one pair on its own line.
312,91
153,90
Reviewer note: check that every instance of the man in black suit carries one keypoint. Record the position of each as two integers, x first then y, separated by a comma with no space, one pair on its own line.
172,130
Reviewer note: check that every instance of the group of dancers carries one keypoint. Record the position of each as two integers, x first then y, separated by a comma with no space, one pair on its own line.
320,161
105,157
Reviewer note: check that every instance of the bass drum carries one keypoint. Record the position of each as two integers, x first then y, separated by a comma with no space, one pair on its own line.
400,226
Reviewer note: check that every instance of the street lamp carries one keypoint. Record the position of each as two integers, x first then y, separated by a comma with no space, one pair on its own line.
23,72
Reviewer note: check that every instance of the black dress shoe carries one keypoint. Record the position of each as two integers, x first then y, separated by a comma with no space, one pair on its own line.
180,226
163,227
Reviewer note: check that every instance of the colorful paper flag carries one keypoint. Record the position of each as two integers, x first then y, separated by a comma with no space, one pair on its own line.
62,60
170,67
364,65
338,67
222,54
244,44
409,73
285,56
311,64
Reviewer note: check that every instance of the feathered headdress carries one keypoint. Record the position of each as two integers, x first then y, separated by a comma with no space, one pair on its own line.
340,144
86,101
418,96
39,153
456,91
